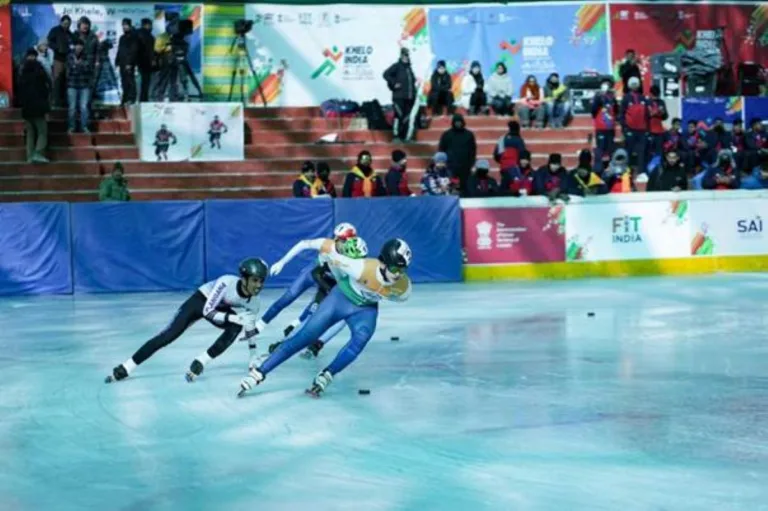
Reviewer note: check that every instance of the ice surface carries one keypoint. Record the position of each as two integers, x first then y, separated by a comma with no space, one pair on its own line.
498,396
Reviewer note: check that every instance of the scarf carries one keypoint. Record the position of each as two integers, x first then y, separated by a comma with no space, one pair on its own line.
314,187
367,181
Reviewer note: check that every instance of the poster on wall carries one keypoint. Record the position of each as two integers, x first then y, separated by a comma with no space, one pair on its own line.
619,231
530,40
514,235
724,228
166,133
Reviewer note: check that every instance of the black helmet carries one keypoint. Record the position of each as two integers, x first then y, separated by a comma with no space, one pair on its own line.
396,254
254,267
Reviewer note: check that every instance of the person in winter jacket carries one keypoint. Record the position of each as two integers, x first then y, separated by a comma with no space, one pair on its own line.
396,180
45,57
473,96
146,58
437,179
499,89
635,116
739,144
756,141
79,80
480,183
605,111
758,178
115,186
657,114
324,176
696,146
127,57
402,82
440,93
618,176
723,175
60,41
459,144
518,181
629,69
362,180
508,148
34,92
531,105
673,138
90,41
670,176
550,180
307,185
583,181
558,107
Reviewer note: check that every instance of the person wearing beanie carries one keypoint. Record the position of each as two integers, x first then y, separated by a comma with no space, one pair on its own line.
126,60
480,183
396,180
549,180
618,176
115,186
508,148
517,181
473,96
306,185
723,175
79,80
59,40
459,144
634,116
583,181
437,178
362,180
146,57
33,94
324,177
440,92
45,56
402,82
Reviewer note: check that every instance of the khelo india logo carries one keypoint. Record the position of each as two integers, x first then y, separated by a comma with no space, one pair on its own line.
332,57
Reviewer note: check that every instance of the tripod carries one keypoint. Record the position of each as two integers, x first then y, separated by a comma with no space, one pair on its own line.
177,72
243,56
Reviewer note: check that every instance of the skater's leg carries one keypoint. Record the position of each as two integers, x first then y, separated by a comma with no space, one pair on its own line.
303,282
314,348
362,324
224,341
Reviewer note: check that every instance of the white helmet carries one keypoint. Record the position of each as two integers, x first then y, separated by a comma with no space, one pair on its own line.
344,231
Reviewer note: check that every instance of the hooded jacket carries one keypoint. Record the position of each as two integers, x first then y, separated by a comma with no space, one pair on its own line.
461,147
90,41
666,177
508,148
582,181
546,182
724,166
657,114
635,113
480,184
440,82
605,110
401,73
517,180
618,176
397,181
128,49
34,89
60,40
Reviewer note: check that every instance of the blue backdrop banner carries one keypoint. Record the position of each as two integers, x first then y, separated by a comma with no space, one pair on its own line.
267,229
138,246
755,107
430,225
530,40
706,110
35,249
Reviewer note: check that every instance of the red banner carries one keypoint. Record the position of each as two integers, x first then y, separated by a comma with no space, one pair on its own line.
652,28
6,58
514,235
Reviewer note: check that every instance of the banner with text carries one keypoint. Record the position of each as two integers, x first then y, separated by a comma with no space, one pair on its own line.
304,55
725,228
629,230
514,235
529,39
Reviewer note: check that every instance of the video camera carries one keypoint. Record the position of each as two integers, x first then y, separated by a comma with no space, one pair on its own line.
242,27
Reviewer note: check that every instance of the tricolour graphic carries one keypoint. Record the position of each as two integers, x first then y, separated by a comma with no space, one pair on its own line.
729,227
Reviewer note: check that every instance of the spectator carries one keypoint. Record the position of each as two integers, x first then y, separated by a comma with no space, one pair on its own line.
695,146
473,90
618,177
758,179
629,69
558,108
757,143
437,179
324,177
307,185
605,111
480,183
115,187
126,60
34,92
440,93
723,175
719,139
499,89
635,115
518,181
59,40
673,137
670,176
90,41
739,144
507,150
657,111
583,181
549,180
397,181
530,105
79,75
402,83
362,180
45,57
146,57
459,144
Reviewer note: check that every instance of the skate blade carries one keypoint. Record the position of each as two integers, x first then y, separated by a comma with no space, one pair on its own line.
315,394
109,379
307,355
190,377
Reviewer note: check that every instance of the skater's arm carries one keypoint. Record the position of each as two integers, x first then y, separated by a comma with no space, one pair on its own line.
319,244
213,301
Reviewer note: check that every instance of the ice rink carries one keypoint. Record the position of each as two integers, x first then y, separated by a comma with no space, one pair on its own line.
498,396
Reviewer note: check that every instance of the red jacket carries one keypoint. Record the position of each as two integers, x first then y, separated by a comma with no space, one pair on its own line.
658,113
358,184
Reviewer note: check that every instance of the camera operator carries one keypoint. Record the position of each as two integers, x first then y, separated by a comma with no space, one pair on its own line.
127,56
146,57
59,40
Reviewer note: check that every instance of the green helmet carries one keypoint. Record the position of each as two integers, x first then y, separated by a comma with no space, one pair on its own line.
356,248
254,267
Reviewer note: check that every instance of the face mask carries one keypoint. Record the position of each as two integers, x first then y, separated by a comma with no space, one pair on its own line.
441,70
604,87
554,81
554,167
482,172
475,70
324,175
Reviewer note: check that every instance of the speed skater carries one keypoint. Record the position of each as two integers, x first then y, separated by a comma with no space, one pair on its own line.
362,283
163,139
229,303
215,130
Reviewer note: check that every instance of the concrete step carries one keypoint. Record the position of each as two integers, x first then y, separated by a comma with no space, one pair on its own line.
16,127
74,154
73,140
60,114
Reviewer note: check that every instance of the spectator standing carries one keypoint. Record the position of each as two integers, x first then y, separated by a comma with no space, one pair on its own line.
757,143
605,111
307,185
60,40
459,144
499,89
362,180
396,180
696,146
549,180
79,75
324,176
558,107
115,186
437,178
657,112
583,181
530,106
45,57
473,90
739,144
635,116
670,176
126,60
629,69
508,148
719,138
90,41
402,83
518,181
481,183
34,95
673,138
440,93
723,175
618,177
146,57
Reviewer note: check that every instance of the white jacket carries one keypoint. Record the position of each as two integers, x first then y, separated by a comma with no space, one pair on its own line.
46,59
498,85
468,87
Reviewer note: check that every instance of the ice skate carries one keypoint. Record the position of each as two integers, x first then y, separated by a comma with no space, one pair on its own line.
195,370
312,350
322,380
253,357
288,330
118,373
274,346
254,378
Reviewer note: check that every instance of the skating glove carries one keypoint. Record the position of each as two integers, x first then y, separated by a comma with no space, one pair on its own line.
276,268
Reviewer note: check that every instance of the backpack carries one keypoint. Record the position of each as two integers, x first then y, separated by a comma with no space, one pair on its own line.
374,113
335,108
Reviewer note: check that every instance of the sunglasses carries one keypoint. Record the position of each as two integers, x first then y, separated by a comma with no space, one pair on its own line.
396,270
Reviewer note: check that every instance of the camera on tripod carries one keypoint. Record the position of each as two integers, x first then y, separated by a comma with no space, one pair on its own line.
175,71
242,27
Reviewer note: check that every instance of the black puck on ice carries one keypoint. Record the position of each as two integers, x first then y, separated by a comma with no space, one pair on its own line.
394,338
363,392
590,314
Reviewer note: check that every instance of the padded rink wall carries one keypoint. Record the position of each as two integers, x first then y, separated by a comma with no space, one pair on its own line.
60,248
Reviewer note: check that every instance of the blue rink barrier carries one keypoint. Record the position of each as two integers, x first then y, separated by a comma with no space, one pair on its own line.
58,248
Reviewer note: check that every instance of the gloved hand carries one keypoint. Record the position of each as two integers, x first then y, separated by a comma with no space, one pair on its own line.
276,268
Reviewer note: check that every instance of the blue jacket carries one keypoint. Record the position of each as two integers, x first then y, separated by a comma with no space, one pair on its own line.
755,181
713,171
